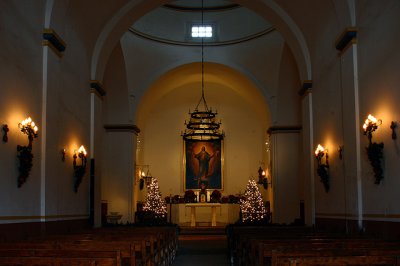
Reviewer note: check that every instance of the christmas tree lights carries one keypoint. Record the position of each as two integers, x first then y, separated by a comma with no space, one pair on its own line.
154,201
251,205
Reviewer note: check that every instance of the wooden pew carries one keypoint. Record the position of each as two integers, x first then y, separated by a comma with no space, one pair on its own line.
261,246
363,248
332,257
137,246
46,257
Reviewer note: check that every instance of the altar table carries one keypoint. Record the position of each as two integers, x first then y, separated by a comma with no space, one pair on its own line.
193,207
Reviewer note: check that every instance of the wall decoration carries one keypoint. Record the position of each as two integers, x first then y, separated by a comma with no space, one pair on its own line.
203,164
25,155
374,150
323,168
79,170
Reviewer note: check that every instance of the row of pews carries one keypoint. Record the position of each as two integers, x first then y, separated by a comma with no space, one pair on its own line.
291,245
114,246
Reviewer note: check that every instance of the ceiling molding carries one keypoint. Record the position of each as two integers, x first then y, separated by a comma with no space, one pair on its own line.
186,43
199,9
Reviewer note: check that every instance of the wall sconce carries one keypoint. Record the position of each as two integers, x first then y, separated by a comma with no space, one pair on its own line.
370,125
141,180
5,129
29,128
143,175
262,178
261,175
374,150
79,170
63,152
393,127
323,168
340,151
147,178
25,155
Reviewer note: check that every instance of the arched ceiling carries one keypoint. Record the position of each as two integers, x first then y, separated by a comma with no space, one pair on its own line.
172,22
134,10
189,76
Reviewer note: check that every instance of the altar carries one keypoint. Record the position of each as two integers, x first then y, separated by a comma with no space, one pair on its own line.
203,214
193,207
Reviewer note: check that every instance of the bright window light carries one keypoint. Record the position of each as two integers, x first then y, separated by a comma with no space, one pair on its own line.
202,31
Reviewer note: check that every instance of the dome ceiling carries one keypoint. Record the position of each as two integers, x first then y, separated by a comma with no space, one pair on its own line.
172,23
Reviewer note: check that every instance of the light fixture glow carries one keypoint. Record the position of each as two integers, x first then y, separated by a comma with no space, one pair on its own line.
202,124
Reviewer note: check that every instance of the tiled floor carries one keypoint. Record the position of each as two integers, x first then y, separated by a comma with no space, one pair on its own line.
204,250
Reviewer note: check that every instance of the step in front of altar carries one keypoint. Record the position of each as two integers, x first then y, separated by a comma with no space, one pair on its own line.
202,229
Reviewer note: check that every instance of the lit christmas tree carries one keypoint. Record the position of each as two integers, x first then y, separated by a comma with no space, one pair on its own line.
252,206
154,202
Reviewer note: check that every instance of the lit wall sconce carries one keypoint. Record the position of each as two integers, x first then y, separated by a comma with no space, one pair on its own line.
374,150
393,127
261,175
141,180
262,178
147,179
79,170
63,152
143,175
323,168
5,129
25,155
370,125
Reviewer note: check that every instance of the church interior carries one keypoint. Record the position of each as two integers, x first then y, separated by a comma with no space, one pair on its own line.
101,99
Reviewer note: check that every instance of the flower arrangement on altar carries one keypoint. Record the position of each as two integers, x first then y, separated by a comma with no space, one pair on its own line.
215,196
189,196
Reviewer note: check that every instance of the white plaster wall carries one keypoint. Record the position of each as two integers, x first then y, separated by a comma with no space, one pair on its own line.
67,108
20,74
334,110
285,177
117,148
117,173
379,62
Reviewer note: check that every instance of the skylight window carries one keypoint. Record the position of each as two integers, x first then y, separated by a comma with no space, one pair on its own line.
202,31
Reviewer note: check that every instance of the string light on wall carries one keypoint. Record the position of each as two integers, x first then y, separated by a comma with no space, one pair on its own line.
323,168
25,155
202,124
374,150
79,170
